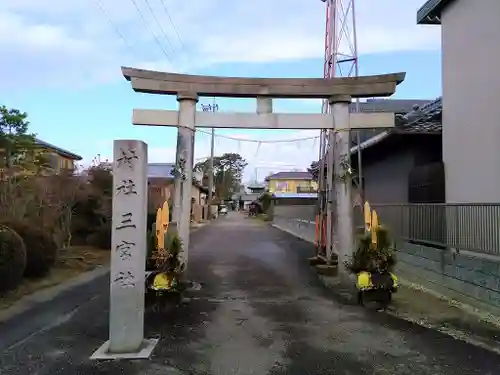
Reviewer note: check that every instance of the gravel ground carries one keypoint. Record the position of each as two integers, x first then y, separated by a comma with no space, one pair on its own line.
261,310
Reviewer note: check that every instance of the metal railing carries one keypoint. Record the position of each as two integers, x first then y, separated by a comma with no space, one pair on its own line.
472,227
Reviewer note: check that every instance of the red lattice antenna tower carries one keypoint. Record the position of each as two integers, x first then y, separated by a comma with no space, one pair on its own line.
341,49
341,60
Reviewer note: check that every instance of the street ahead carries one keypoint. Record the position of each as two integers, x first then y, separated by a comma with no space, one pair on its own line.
260,310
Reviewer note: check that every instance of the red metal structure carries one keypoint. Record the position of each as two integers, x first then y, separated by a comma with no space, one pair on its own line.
341,60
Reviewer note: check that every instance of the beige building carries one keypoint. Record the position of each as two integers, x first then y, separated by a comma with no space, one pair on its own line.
471,90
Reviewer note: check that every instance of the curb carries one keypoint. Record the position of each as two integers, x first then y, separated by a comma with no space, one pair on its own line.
304,238
45,295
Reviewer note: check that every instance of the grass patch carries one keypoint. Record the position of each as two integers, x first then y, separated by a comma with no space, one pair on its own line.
70,264
419,305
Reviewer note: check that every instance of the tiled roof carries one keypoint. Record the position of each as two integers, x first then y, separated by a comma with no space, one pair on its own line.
399,106
422,120
426,120
59,150
293,175
162,170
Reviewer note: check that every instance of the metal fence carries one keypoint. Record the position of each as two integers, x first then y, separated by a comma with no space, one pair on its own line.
472,227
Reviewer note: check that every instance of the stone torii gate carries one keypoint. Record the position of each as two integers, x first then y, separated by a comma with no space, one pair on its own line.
127,297
188,88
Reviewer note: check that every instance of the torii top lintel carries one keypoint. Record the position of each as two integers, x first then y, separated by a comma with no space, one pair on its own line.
153,82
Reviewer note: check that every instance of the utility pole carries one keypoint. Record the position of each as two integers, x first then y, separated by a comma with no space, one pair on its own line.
214,107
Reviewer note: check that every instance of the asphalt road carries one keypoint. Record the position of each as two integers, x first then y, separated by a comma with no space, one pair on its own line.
260,310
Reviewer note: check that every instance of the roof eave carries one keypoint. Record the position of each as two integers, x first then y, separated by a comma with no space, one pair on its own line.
430,12
58,150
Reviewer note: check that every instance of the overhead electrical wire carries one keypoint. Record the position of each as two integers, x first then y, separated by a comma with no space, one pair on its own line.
294,140
146,24
112,24
160,26
173,23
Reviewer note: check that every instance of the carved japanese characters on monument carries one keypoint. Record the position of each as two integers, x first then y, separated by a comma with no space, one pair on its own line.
126,221
127,158
125,279
127,188
124,249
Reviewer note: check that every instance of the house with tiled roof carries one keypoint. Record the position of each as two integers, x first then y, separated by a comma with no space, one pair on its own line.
403,164
58,158
291,182
161,186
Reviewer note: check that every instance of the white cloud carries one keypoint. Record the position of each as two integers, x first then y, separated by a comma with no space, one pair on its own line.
57,41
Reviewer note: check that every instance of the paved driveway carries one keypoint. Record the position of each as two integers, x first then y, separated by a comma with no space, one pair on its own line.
260,311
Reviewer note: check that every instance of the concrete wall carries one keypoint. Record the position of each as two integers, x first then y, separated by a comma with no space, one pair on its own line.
297,219
471,90
386,180
467,277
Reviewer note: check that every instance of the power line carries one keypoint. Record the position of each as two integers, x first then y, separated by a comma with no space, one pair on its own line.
146,24
172,22
108,18
260,140
159,25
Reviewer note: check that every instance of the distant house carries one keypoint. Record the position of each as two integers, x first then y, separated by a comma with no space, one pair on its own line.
59,158
56,157
244,200
256,188
161,186
291,182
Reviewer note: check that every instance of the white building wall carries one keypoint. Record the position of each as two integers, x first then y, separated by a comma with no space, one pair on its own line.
471,97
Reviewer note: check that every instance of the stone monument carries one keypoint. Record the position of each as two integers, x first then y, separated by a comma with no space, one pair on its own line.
128,254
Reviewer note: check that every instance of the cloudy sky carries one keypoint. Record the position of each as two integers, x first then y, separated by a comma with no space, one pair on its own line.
61,63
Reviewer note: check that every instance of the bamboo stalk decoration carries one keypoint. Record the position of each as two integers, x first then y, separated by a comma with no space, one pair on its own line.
368,217
374,228
165,214
371,223
162,221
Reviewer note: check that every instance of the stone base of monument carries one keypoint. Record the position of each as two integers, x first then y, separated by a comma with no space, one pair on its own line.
144,351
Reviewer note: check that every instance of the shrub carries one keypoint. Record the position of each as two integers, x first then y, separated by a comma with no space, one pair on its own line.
266,200
41,249
173,243
12,259
368,258
101,238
